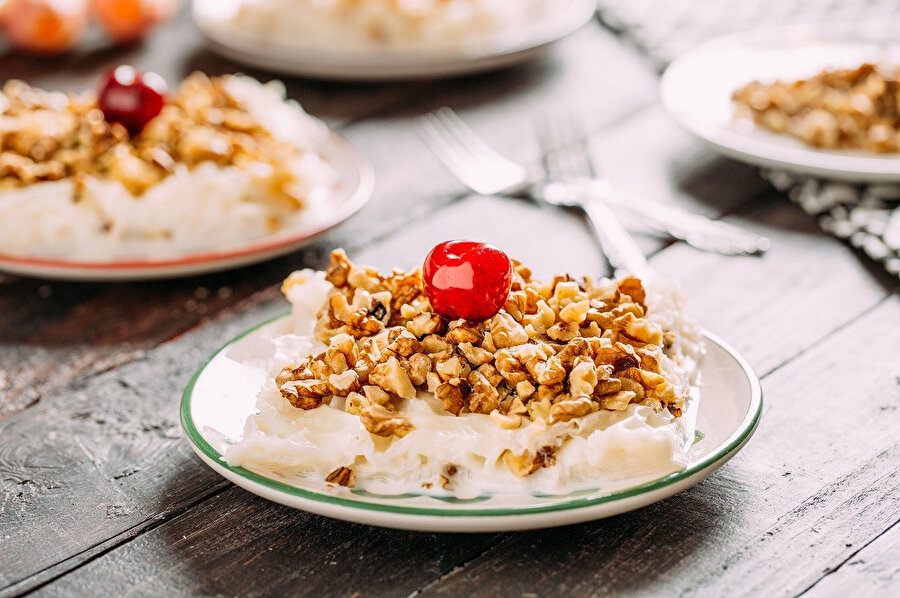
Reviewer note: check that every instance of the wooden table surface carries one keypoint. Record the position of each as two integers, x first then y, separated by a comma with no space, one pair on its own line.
100,494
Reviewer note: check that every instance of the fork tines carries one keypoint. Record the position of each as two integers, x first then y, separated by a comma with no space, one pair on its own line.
564,148
469,158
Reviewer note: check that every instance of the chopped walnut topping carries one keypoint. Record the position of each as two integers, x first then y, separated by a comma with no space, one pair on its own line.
48,136
392,377
555,353
521,465
837,109
382,422
451,397
571,408
527,463
507,422
342,476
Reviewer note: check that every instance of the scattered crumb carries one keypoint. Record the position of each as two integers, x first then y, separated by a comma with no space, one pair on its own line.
165,429
224,293
201,293
113,511
44,291
126,472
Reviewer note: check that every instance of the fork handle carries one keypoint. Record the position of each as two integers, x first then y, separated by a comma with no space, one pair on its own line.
620,247
694,229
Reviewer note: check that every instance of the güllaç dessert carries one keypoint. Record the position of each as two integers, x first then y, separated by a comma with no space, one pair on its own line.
470,376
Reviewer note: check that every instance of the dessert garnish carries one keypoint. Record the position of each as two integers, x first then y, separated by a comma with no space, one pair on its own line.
131,98
465,279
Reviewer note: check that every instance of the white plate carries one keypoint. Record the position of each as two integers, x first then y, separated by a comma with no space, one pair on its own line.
222,393
355,185
381,65
696,90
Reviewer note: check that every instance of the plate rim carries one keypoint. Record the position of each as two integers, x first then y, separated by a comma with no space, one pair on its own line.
214,259
859,174
726,449
346,66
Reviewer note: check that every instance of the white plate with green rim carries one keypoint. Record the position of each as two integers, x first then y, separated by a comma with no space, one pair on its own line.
329,61
222,394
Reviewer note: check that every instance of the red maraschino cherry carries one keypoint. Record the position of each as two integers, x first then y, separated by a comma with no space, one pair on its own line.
465,279
132,98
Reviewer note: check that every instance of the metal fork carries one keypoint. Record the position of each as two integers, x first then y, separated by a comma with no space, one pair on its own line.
566,159
485,171
470,159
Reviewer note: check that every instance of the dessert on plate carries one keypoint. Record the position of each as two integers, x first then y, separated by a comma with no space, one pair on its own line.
469,376
362,25
137,171
848,109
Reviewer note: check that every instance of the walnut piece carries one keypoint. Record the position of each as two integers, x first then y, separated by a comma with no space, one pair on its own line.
382,422
342,476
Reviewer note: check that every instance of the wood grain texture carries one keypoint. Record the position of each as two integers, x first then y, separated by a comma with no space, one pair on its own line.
777,306
235,545
53,332
104,456
873,571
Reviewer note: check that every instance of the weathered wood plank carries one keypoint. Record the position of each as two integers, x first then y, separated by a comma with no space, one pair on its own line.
502,107
233,546
873,571
104,457
671,169
52,332
770,523
774,307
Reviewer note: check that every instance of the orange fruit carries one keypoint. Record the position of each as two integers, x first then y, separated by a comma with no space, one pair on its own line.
44,26
129,20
